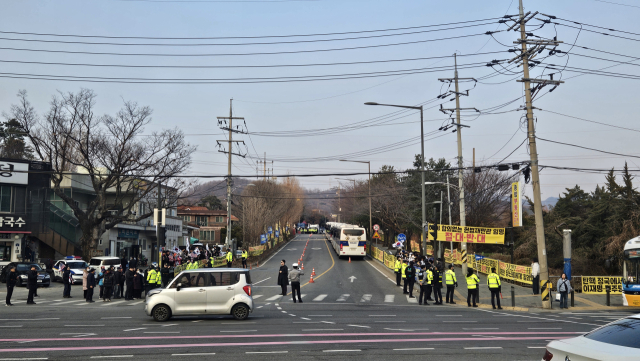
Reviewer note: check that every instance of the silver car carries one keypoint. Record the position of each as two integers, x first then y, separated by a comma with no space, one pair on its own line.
205,291
619,341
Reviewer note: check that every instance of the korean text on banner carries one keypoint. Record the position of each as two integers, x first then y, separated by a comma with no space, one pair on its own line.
598,284
516,205
515,272
450,233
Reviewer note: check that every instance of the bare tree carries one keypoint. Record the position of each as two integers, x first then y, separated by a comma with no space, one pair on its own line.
123,167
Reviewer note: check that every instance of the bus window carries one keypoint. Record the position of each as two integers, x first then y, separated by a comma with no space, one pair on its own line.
353,232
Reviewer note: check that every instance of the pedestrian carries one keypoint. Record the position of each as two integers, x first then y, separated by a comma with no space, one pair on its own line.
493,280
85,274
229,257
91,285
165,258
535,273
137,284
164,274
109,281
128,276
152,278
12,278
283,277
100,279
472,288
117,277
245,256
437,286
429,283
452,283
410,273
564,287
133,262
66,281
32,284
294,277
396,269
404,277
423,280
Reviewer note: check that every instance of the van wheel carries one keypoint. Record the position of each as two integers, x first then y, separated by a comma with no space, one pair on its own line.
240,312
161,313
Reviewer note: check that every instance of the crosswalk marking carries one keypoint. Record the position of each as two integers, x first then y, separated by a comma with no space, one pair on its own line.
136,303
273,298
112,303
389,298
343,298
320,298
412,300
366,298
256,297
302,295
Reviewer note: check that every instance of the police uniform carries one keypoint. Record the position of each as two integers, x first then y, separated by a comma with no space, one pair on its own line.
403,268
437,285
245,255
424,284
229,258
396,269
493,281
152,279
452,282
472,289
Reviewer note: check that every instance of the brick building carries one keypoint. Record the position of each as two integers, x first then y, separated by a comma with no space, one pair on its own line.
210,222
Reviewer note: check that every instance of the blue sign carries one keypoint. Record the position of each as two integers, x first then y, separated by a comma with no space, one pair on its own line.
479,257
270,230
263,238
277,234
402,238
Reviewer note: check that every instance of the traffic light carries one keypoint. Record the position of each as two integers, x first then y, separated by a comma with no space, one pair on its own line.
433,230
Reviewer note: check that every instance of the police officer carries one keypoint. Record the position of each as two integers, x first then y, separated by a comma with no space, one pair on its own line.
452,283
437,285
472,287
152,280
493,280
229,257
66,275
12,278
396,269
424,283
404,276
245,255
128,276
410,273
429,283
32,284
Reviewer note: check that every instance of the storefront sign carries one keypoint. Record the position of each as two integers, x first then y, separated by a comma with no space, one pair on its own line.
12,223
451,233
14,173
128,233
598,284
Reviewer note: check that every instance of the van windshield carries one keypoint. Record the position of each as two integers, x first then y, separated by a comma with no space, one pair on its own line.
353,232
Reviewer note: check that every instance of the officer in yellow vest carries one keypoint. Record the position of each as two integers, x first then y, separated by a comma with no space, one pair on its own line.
396,269
245,255
452,283
152,278
472,288
404,276
493,280
212,260
229,257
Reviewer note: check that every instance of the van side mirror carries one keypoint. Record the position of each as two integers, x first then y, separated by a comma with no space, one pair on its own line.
179,287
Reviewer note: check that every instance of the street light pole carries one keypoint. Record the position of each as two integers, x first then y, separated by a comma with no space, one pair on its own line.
424,210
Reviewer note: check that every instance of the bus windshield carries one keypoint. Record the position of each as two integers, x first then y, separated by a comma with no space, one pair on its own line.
353,232
632,263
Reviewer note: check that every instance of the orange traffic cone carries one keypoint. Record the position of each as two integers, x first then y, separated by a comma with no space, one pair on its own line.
250,268
303,266
349,259
311,280
313,273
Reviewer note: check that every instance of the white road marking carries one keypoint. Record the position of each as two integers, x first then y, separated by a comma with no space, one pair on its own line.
320,298
448,315
136,303
27,358
320,315
482,328
341,350
412,300
12,326
302,295
332,323
359,326
316,248
389,298
412,349
385,276
108,318
323,329
382,315
283,311
136,329
192,354
241,331
343,298
366,298
389,321
292,315
459,321
255,283
482,348
259,306
303,318
28,319
113,356
544,328
84,325
273,298
536,346
259,352
256,297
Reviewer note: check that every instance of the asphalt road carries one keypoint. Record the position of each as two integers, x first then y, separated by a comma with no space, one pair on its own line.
352,309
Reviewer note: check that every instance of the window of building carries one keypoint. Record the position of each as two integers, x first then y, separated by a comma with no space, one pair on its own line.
202,221
186,218
219,219
207,235
5,199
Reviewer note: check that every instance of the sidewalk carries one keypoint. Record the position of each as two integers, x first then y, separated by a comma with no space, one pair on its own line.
525,300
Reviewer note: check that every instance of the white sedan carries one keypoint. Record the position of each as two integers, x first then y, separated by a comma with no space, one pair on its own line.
76,266
619,340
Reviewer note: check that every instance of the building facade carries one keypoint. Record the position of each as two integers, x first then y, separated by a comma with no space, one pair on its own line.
210,223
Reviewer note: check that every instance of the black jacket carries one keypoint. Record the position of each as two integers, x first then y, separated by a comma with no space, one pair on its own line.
283,276
91,280
410,272
12,278
436,279
32,278
119,278
65,276
108,280
129,277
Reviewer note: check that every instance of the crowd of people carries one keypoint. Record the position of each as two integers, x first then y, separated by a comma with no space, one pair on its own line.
431,276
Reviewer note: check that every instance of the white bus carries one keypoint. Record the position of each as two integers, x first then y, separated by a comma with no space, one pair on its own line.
631,281
348,240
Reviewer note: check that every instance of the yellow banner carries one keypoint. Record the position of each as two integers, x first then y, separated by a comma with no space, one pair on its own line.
447,233
447,256
598,284
516,205
515,272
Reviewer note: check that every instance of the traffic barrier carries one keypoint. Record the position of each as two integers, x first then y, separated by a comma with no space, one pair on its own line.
311,280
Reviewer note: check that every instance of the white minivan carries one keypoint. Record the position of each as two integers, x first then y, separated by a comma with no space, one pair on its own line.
204,291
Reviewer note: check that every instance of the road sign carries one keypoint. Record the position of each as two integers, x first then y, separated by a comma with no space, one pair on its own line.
402,238
270,230
376,235
376,227
277,234
263,238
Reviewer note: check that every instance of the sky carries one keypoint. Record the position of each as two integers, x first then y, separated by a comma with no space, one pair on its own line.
300,107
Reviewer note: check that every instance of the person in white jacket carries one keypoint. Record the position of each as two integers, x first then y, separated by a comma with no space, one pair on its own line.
294,278
535,273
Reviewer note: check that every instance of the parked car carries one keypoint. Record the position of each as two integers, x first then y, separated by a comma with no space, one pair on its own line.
619,340
22,268
205,291
106,262
75,265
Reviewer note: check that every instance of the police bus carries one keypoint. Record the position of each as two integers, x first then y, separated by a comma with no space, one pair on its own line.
348,240
631,281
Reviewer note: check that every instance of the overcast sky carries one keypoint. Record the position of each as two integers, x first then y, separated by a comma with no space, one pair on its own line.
300,106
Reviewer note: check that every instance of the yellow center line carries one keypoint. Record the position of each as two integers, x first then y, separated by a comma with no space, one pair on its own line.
333,263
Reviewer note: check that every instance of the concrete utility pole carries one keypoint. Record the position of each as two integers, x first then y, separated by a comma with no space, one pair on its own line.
525,56
459,126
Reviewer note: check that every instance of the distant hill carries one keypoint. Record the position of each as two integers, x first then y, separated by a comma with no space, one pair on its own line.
546,204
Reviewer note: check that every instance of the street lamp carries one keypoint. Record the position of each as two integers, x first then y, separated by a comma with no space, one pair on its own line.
424,212
369,163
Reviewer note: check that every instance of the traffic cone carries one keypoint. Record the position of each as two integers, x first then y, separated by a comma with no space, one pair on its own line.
311,280
349,259
303,266
313,272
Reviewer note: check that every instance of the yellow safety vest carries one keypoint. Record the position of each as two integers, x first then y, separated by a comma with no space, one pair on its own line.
397,265
152,277
404,267
212,259
229,257
493,280
429,276
450,277
472,282
245,254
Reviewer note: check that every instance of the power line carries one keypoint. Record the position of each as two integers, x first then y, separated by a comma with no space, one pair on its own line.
596,150
590,121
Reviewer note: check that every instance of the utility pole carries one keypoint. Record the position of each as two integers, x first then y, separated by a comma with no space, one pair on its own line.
525,56
459,126
230,142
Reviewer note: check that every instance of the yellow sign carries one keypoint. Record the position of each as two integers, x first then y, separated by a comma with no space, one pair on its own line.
598,284
515,272
376,235
516,205
449,233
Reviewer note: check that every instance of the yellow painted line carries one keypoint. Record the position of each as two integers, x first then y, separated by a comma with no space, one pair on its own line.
333,263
